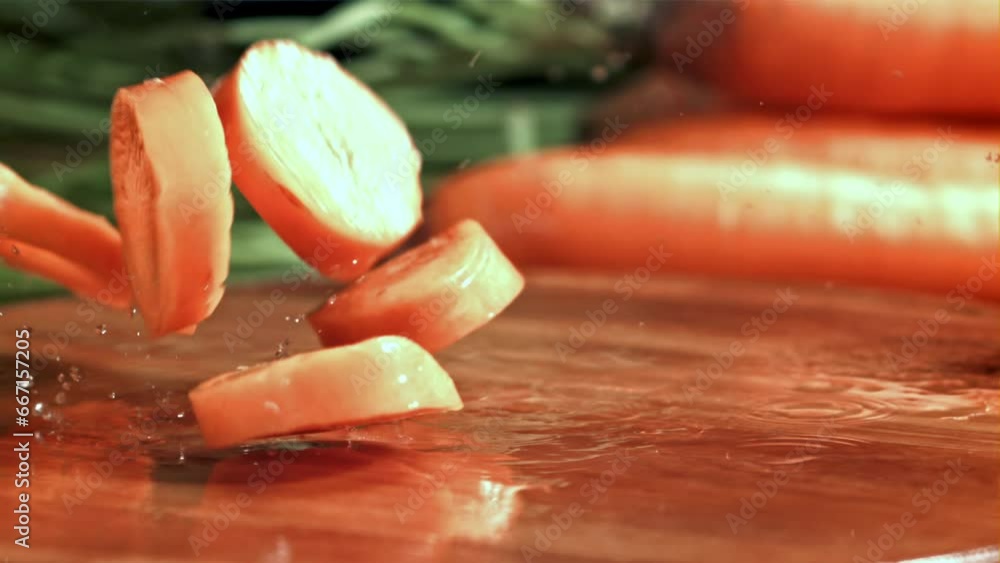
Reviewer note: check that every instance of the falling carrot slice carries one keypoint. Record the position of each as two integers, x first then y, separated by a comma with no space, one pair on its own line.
78,279
322,159
45,235
171,189
376,380
434,294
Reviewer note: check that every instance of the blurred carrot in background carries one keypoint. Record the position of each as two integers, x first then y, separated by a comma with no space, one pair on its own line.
887,56
911,208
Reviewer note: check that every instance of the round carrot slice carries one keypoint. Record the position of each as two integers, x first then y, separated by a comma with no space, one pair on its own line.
434,294
45,235
376,380
320,157
172,198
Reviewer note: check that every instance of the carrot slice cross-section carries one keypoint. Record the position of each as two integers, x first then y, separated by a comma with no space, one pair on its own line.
48,236
376,380
172,198
434,294
320,157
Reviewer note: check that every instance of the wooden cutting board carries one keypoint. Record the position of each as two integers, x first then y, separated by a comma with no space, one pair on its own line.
684,420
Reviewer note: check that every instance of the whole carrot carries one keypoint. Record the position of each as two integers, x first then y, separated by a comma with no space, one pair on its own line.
881,55
920,150
641,208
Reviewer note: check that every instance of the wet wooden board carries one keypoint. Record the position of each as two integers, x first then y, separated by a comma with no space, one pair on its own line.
683,421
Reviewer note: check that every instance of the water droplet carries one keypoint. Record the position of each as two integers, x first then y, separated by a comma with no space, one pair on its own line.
112,395
180,414
61,378
272,406
66,386
282,351
132,312
101,329
180,455
354,262
39,407
14,250
60,398
242,368
75,375
413,405
402,378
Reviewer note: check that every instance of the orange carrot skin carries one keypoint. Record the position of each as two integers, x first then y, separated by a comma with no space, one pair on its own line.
639,209
866,54
376,380
76,248
434,294
79,279
172,198
341,255
923,151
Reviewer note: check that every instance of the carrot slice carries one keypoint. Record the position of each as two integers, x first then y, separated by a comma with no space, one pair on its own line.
56,240
172,198
320,157
78,279
434,294
641,211
376,380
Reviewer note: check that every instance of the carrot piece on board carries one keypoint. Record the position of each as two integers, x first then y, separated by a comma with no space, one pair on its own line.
377,380
644,208
853,54
320,157
56,240
172,198
434,294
